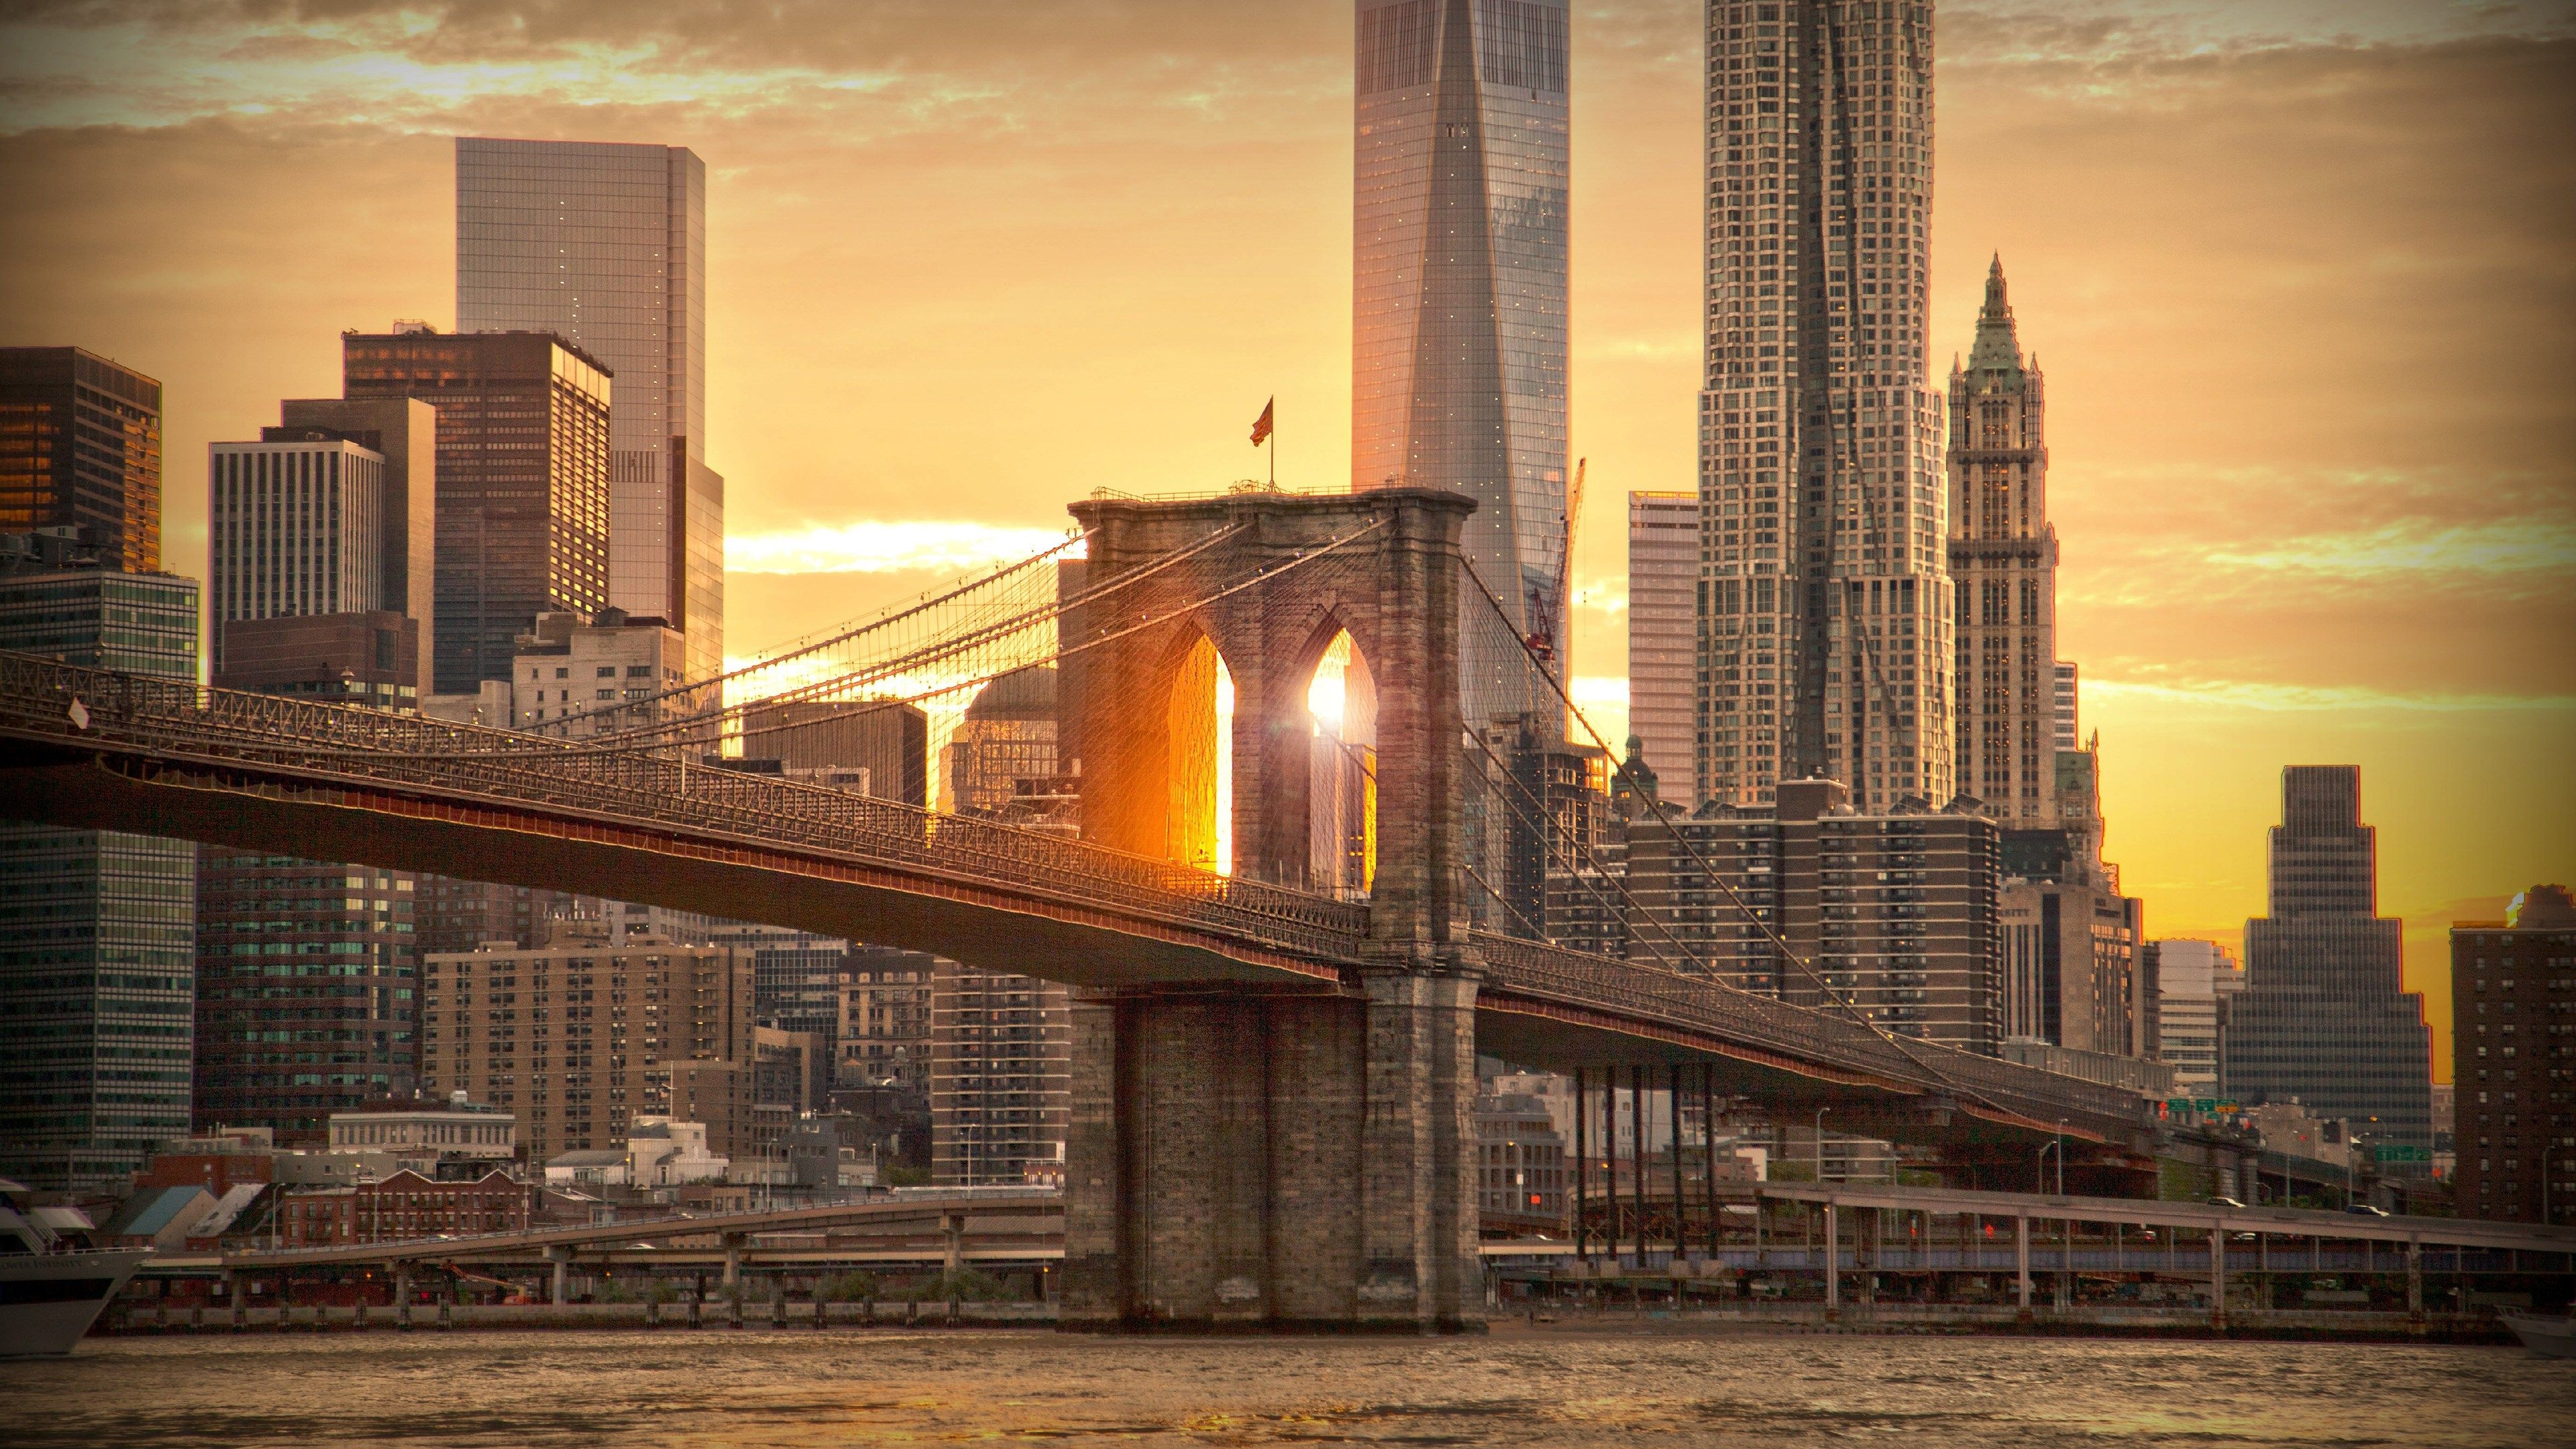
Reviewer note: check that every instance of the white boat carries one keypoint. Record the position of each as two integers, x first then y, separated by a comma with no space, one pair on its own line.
2543,1335
49,1296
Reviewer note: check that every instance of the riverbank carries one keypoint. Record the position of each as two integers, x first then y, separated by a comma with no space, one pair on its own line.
2247,1325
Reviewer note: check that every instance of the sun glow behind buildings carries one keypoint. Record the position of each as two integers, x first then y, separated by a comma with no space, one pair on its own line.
1224,768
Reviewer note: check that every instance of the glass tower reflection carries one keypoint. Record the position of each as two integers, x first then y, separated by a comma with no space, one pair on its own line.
604,245
1459,294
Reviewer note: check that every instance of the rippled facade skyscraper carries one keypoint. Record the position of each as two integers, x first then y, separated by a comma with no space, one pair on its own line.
1824,600
1458,369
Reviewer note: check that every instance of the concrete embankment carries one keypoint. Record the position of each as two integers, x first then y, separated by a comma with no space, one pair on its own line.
431,1317
1912,1318
2347,1326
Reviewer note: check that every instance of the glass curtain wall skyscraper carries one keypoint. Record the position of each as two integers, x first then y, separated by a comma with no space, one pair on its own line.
98,933
1458,369
522,517
80,447
604,245
1824,595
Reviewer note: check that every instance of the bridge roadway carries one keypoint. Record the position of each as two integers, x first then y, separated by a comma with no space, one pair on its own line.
99,749
1034,1219
948,1214
2230,1240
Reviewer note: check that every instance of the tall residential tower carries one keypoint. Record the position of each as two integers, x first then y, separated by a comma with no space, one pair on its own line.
605,246
2003,559
1458,367
1824,594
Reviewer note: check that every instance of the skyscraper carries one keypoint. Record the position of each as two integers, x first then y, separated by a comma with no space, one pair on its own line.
2324,1016
1824,594
306,979
80,447
404,432
1663,567
1458,334
522,514
98,933
295,526
605,246
2003,561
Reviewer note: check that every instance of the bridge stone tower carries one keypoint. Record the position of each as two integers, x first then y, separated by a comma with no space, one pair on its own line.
1278,1159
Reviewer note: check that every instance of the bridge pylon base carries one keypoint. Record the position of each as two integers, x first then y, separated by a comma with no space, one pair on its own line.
1272,1163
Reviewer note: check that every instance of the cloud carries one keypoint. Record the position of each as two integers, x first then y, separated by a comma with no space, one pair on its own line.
1598,689
2261,695
423,64
1602,596
950,546
1602,700
2402,552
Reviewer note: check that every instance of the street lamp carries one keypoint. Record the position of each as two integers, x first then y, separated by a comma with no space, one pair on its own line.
1820,1146
2041,1160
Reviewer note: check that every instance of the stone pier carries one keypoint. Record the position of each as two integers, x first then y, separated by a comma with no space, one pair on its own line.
1275,1163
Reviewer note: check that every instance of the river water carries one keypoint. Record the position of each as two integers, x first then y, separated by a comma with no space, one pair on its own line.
1517,1387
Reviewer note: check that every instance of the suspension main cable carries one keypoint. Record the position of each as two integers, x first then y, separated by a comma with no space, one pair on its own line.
841,634
1778,942
973,637
618,745
1536,932
1705,972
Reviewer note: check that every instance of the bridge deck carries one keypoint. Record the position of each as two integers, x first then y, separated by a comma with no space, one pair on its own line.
107,750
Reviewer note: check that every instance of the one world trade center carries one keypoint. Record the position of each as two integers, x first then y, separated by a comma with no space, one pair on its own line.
1459,300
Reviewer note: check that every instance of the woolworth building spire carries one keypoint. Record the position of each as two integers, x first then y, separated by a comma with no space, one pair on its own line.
2003,563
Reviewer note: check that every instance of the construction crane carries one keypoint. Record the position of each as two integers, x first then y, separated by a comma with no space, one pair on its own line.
1558,603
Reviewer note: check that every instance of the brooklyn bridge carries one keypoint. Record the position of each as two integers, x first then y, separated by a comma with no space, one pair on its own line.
1274,1044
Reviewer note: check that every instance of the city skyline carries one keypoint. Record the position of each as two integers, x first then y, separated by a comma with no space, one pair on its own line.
2167,692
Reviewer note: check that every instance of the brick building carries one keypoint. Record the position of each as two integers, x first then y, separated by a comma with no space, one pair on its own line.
577,1037
1895,910
2513,1031
405,1205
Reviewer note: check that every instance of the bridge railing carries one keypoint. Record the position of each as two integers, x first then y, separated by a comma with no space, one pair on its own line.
179,720
1799,1032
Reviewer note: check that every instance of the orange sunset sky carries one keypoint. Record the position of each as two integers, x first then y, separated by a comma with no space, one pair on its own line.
2301,276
